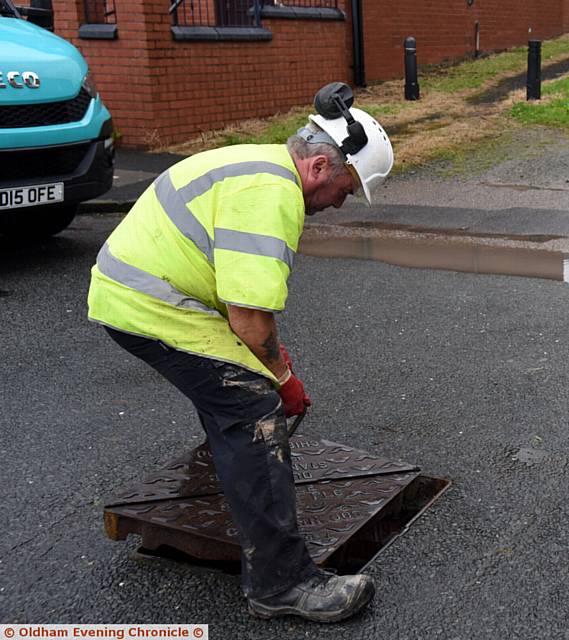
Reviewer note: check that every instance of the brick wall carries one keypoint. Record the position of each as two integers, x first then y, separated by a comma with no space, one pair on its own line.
446,30
205,85
161,91
565,10
121,67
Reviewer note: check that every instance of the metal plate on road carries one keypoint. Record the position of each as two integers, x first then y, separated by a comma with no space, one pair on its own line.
316,460
313,460
31,196
329,513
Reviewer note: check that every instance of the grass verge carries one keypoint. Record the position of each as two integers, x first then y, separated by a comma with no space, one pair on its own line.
552,111
446,123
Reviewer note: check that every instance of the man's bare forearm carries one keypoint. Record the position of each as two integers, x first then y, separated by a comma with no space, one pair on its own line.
258,330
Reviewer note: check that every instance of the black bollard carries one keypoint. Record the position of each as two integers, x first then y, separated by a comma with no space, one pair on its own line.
411,82
534,70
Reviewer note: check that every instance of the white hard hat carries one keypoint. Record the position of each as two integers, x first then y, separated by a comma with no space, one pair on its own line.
372,162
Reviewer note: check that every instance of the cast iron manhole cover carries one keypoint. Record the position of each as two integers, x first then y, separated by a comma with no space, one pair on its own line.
350,504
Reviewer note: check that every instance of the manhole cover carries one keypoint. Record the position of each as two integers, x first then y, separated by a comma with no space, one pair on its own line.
350,505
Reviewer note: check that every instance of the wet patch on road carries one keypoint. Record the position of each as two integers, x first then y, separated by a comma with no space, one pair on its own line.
530,456
531,460
448,249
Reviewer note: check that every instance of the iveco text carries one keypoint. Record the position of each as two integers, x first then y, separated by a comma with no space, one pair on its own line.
29,78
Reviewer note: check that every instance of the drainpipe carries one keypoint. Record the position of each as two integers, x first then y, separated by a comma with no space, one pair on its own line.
477,39
358,39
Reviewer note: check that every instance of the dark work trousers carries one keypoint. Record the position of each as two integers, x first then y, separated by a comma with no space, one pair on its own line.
246,429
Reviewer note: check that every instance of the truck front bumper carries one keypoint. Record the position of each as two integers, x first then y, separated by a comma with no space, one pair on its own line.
85,168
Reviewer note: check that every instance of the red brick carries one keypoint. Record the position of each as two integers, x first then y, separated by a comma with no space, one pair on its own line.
160,89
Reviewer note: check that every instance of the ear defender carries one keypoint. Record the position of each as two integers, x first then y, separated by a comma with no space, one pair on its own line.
334,101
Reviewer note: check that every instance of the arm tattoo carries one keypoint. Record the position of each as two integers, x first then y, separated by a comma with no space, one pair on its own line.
271,347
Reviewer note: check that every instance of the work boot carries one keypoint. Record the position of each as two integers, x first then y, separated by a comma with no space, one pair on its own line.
324,597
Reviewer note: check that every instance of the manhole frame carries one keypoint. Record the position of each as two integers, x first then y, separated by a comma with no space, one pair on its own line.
410,495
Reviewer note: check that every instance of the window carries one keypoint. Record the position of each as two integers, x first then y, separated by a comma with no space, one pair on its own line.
215,13
308,4
217,20
100,12
100,20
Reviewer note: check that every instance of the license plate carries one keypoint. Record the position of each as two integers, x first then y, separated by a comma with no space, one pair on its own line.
31,196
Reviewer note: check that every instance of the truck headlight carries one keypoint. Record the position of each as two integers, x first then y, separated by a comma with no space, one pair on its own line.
89,85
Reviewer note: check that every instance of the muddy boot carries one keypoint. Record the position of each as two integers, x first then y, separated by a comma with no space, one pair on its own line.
324,597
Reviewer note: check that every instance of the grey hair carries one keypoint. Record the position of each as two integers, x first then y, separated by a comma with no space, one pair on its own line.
299,147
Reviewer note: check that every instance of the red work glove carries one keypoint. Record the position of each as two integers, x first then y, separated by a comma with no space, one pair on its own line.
285,356
294,398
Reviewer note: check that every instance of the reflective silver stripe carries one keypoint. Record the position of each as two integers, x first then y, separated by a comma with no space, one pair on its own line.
254,243
181,216
174,201
144,282
204,183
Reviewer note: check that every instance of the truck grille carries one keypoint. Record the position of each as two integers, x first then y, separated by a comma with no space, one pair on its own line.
15,116
29,164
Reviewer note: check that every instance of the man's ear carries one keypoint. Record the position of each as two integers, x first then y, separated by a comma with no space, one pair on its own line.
319,167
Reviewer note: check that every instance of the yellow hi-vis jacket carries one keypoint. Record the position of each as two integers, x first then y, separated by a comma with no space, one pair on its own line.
221,227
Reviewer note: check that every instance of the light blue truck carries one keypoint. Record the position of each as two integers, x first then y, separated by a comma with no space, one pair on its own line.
56,145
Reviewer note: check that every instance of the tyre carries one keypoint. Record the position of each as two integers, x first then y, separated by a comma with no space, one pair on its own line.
37,222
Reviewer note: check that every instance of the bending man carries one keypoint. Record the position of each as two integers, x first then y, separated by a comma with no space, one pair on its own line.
189,282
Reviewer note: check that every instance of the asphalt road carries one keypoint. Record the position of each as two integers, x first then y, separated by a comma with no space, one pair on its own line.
464,375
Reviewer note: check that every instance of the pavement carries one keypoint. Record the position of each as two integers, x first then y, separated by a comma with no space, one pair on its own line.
134,171
506,215
531,175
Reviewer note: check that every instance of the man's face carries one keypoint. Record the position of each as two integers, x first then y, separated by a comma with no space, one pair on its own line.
328,191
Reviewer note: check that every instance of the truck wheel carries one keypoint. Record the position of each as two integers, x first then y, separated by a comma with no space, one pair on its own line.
37,222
